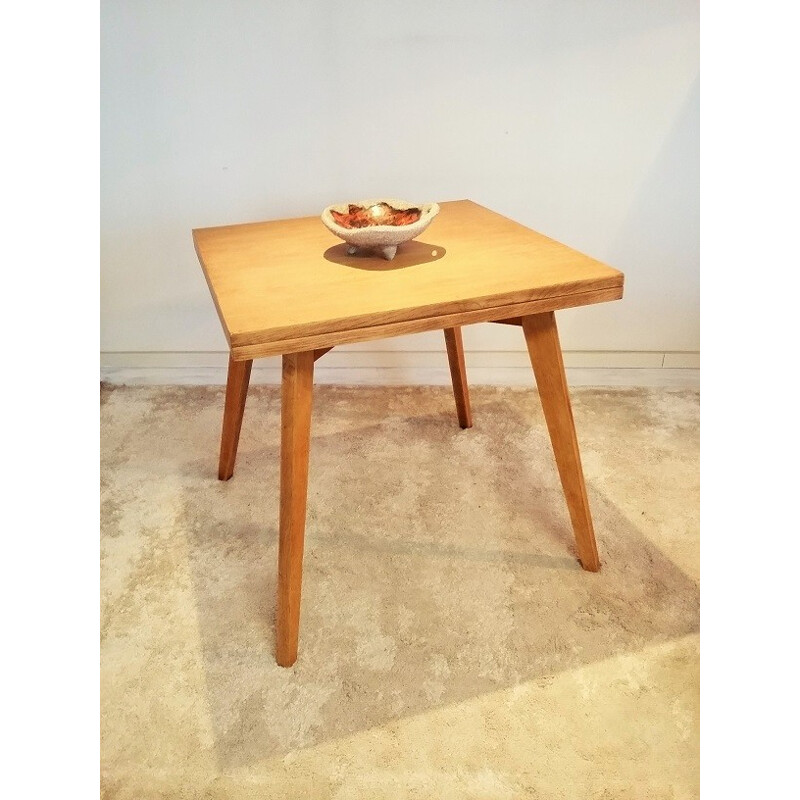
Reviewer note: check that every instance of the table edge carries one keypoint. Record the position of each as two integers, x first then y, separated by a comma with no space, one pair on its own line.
210,285
303,339
371,319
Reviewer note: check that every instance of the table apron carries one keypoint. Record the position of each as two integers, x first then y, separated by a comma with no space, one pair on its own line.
440,321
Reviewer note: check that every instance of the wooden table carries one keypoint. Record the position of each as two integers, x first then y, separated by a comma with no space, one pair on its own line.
289,287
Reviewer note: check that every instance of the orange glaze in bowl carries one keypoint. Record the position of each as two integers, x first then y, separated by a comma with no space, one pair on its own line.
377,214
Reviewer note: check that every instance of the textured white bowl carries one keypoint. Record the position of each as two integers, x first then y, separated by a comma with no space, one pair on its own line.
385,238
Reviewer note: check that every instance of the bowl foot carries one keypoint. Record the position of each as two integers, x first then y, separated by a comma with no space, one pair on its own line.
387,252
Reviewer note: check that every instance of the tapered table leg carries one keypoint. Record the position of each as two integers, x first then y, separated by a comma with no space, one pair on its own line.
235,396
458,372
541,336
297,383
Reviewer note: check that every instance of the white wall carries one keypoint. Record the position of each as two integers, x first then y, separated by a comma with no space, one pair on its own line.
578,118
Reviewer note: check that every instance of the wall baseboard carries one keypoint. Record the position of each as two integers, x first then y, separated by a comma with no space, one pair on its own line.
396,368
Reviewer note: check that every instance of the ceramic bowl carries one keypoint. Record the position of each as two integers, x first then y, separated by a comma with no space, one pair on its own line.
380,224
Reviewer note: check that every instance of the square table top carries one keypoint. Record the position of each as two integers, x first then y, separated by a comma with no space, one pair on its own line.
289,285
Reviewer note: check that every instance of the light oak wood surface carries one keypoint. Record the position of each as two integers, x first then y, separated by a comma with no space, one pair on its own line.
458,372
235,396
296,391
289,283
541,336
427,324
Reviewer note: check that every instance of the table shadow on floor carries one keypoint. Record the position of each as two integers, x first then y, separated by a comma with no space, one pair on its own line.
439,566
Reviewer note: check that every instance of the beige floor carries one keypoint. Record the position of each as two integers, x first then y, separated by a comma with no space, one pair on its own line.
450,647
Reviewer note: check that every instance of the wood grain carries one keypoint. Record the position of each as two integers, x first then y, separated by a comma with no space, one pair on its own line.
296,392
235,397
458,372
541,337
435,323
271,281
